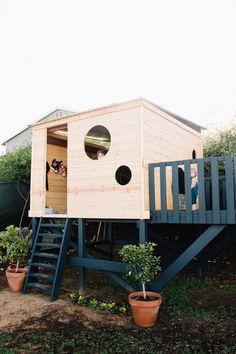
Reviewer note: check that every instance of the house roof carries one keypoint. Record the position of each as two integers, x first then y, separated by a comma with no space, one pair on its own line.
59,114
56,113
185,121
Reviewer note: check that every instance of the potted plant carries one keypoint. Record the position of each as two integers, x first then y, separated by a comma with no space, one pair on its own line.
143,266
15,248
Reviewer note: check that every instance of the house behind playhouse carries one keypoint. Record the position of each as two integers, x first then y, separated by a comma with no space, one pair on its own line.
131,135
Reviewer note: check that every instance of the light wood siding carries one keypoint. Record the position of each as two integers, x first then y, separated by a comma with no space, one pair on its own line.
165,139
56,196
38,175
140,134
92,188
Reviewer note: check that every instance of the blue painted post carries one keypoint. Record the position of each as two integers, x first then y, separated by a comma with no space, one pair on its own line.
152,192
81,253
215,191
229,190
201,191
163,192
175,191
188,197
34,230
194,249
142,231
110,240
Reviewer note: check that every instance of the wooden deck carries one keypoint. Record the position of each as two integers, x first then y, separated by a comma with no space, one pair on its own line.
216,191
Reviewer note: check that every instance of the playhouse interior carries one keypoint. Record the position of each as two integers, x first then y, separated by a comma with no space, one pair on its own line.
97,139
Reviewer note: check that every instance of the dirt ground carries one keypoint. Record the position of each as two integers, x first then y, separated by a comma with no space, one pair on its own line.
32,317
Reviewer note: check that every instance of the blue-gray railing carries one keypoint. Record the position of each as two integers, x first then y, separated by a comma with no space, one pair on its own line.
216,191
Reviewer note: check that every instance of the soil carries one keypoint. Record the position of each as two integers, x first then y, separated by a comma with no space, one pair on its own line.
22,316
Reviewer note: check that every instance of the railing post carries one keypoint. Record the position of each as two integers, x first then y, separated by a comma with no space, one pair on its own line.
152,192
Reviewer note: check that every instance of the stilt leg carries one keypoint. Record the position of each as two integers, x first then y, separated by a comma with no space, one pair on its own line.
142,231
81,254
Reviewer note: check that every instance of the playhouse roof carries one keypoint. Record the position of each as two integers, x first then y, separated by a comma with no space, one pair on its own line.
187,122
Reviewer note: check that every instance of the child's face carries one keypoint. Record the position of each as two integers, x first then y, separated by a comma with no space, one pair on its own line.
100,155
193,173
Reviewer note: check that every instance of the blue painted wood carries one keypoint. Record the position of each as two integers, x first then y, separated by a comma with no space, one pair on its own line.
194,249
234,168
142,231
201,191
215,191
116,278
55,261
99,264
188,197
151,192
34,229
81,254
230,190
163,191
110,240
61,259
175,192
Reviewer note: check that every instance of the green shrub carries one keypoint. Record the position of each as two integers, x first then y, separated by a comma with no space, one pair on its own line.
15,166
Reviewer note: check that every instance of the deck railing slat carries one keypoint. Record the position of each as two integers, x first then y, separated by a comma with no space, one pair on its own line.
215,190
229,190
201,191
175,188
216,193
152,192
188,197
163,192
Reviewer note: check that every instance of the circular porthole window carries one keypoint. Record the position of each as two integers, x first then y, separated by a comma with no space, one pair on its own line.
123,175
97,142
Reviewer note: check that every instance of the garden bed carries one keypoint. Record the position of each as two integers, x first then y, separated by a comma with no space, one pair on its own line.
197,316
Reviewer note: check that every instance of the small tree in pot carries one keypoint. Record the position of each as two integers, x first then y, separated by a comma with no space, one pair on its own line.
15,248
143,266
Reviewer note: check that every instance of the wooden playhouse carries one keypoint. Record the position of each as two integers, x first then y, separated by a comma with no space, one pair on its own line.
121,164
132,134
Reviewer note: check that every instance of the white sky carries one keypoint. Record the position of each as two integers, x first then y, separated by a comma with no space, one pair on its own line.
76,54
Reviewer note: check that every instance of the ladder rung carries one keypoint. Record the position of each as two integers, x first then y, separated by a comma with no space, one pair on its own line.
59,235
48,245
40,286
53,225
46,255
42,276
44,265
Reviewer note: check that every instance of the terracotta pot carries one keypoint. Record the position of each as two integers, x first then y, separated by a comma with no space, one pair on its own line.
145,312
12,268
16,279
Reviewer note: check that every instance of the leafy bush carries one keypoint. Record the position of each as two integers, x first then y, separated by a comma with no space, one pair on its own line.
143,265
221,142
15,166
15,246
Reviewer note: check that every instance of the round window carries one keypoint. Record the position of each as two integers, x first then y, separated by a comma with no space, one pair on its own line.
97,142
123,175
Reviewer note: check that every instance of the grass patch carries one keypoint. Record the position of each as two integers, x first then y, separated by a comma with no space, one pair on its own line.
228,287
177,295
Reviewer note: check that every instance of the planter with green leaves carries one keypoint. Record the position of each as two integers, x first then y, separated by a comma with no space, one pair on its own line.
143,266
15,246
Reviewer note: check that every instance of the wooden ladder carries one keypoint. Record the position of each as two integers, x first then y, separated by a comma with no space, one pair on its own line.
48,256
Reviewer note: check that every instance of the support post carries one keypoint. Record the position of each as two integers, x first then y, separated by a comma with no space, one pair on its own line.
110,240
142,231
194,249
34,229
81,254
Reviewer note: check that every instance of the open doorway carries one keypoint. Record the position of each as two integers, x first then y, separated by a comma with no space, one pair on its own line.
56,170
